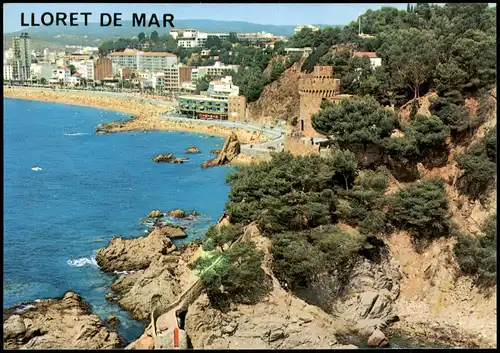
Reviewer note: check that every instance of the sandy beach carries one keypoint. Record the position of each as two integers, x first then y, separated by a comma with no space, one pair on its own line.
146,113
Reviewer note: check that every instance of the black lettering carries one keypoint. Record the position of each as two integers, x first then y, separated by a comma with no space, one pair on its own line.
153,17
22,21
117,19
109,20
138,22
51,19
33,23
60,17
168,18
73,19
86,16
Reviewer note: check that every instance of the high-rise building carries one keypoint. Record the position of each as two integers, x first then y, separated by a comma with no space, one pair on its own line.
21,61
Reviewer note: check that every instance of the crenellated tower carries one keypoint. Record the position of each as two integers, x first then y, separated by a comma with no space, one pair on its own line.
313,90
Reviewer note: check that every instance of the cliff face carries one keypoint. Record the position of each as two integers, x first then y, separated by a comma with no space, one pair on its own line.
435,301
279,100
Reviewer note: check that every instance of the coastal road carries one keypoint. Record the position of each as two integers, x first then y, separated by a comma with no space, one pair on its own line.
275,135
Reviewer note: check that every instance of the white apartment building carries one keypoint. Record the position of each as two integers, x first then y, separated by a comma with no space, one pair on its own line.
191,38
8,55
7,71
74,80
172,78
258,37
21,61
223,88
189,33
41,70
61,75
85,68
218,70
312,28
375,61
187,43
304,52
222,36
154,61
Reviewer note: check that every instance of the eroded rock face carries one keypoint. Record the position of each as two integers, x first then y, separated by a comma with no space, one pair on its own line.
227,153
166,277
65,323
280,321
137,253
372,289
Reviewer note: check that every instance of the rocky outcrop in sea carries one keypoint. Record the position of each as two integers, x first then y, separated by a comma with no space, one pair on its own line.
137,253
169,158
65,323
192,149
227,153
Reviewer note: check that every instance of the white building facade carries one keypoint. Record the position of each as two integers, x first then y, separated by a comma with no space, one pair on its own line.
154,61
21,61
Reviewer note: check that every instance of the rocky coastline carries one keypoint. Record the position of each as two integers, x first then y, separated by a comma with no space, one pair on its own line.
366,314
61,323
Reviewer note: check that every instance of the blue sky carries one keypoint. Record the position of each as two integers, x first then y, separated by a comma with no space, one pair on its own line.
277,14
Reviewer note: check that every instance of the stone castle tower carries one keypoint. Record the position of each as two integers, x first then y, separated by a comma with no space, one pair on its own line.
313,90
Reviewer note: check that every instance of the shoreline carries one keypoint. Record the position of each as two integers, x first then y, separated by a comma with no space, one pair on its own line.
147,115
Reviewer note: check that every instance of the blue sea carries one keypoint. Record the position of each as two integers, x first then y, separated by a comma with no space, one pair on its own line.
91,188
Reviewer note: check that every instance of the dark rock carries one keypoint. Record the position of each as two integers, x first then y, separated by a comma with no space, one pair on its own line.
228,152
192,149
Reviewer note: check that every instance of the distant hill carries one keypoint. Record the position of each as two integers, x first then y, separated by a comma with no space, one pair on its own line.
93,34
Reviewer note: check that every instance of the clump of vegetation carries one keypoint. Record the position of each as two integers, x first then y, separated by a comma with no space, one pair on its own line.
478,256
424,140
234,275
357,121
422,209
298,257
479,164
363,205
283,194
217,237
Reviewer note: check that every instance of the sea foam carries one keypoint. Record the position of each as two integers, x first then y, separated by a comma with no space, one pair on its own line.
76,134
84,261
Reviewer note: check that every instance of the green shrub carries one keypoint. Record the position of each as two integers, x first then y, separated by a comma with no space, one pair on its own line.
478,256
360,120
287,193
479,164
237,273
490,142
421,208
362,205
217,237
299,256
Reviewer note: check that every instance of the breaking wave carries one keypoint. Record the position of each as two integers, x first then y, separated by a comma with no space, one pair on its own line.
84,261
